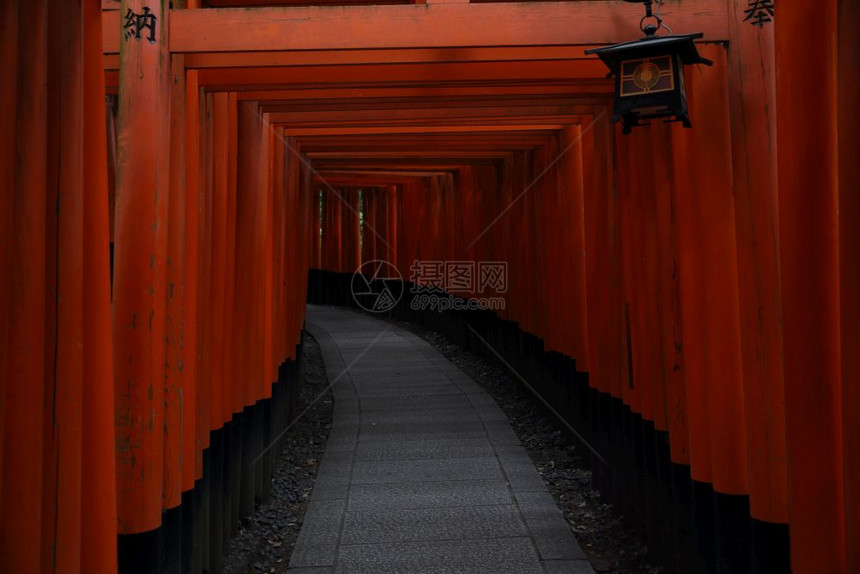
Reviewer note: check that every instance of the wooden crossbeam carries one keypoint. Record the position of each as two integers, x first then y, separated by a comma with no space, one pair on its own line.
423,129
404,155
400,74
461,26
387,116
399,56
433,94
456,145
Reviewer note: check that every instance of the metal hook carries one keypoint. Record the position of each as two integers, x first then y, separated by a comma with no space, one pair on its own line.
650,29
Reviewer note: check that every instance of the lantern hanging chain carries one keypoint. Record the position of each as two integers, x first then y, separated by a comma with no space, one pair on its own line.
651,29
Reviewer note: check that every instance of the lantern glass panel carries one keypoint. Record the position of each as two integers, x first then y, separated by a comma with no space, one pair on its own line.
647,76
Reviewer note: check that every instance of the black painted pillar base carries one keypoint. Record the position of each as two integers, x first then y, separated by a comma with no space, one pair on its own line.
194,536
139,553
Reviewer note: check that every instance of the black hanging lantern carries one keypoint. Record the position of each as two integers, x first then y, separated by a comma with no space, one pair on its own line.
649,73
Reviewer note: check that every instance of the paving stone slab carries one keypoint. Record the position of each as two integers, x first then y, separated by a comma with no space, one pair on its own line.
439,416
501,433
341,441
416,391
538,505
418,377
558,548
319,535
417,430
392,496
477,447
488,414
494,556
343,432
414,402
521,474
400,525
332,481
430,470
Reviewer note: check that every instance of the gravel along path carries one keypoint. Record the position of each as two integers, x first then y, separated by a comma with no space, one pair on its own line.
266,540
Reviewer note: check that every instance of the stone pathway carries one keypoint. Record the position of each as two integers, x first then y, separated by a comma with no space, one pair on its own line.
422,472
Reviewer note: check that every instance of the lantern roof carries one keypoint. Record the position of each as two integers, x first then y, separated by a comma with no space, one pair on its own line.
681,44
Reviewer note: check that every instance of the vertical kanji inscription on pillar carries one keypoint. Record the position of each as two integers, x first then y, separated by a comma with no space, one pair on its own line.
144,23
140,263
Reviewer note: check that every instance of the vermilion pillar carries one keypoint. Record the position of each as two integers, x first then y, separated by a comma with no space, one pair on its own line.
708,269
218,265
602,261
752,97
61,473
849,273
24,358
196,245
641,243
298,193
465,214
535,254
631,199
573,203
233,398
350,237
175,397
98,498
205,276
139,267
393,193
281,182
8,97
306,200
692,309
191,445
251,228
369,234
669,301
809,217
268,162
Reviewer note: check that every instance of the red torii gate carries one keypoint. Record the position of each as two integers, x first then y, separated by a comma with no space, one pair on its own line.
210,114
